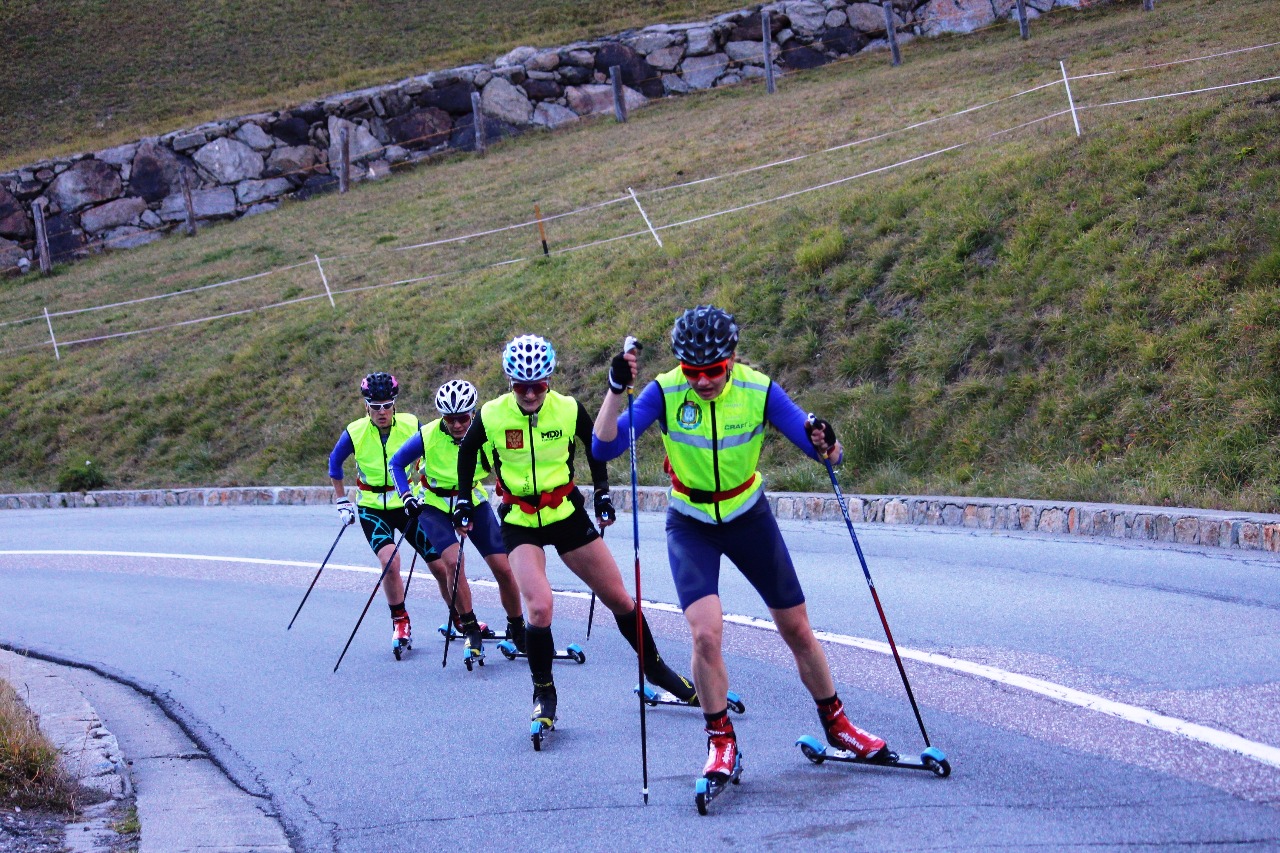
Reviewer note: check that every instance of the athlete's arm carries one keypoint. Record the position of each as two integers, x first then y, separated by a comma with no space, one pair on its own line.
468,450
409,452
781,411
610,439
599,471
341,450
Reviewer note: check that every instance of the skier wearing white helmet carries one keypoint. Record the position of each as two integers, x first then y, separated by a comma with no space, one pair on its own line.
436,444
529,434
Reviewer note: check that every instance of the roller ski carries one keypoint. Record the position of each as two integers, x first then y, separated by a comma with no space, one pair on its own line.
473,649
723,767
572,652
932,759
401,635
654,697
455,633
543,719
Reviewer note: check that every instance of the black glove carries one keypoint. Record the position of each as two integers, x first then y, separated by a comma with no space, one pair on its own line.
619,374
462,512
413,506
828,432
604,508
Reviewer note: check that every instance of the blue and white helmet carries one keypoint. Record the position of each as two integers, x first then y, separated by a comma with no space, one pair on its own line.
456,397
529,358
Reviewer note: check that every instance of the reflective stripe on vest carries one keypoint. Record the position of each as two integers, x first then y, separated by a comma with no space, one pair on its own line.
440,469
713,447
528,459
373,458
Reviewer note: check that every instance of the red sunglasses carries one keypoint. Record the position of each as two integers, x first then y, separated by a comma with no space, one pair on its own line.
710,371
523,388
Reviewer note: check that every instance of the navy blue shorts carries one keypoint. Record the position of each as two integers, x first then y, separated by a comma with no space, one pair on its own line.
752,542
380,526
485,534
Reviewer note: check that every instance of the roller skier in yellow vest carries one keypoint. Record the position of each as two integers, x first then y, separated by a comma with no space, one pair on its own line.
712,411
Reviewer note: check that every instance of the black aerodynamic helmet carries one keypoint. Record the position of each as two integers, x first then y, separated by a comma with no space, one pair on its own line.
704,335
378,387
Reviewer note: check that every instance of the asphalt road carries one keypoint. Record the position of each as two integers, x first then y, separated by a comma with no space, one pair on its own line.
410,755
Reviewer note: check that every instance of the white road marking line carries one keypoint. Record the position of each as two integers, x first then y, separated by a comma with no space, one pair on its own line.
1260,752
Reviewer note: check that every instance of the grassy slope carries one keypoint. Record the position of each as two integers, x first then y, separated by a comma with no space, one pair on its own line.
81,74
1033,315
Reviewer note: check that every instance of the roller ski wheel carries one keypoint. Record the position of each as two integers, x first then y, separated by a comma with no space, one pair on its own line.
538,732
399,647
932,759
707,788
401,636
654,697
572,652
543,719
473,657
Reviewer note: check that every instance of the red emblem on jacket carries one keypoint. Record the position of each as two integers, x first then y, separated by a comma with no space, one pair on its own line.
515,439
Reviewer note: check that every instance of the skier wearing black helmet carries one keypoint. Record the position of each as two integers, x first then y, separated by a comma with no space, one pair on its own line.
712,410
373,439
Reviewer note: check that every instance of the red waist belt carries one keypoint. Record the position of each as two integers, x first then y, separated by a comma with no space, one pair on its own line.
365,487
444,493
544,500
702,496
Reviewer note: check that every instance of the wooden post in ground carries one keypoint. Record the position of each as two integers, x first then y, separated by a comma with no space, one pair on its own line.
42,236
188,204
344,161
477,122
1024,29
767,37
891,32
619,99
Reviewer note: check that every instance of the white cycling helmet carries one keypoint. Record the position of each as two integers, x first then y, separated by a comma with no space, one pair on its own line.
529,358
456,397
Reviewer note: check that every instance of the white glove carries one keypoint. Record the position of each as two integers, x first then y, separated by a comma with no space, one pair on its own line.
346,511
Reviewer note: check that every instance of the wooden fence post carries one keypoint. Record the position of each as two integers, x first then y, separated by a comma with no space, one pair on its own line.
42,235
477,121
619,100
344,161
891,32
767,32
1023,28
188,204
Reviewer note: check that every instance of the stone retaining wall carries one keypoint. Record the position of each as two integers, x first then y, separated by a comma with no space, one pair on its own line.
1211,528
131,194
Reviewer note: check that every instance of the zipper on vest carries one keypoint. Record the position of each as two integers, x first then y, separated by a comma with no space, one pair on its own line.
533,466
715,461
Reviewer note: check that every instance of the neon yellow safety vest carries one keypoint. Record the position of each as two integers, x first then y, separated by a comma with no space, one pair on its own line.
373,458
440,468
530,460
713,446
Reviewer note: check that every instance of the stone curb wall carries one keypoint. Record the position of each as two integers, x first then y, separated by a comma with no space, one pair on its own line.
1210,528
132,194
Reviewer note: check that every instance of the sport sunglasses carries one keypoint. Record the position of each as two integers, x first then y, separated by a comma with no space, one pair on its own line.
710,371
458,419
380,407
523,388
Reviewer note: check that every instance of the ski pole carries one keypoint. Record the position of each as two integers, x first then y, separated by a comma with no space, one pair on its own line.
876,598
453,598
627,346
591,611
341,531
385,567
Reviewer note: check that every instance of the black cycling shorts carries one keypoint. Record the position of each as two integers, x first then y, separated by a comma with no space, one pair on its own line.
380,526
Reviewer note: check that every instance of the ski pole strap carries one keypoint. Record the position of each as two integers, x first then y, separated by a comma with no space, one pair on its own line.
702,496
544,500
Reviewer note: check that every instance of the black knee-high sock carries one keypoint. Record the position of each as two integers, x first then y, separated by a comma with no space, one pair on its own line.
627,627
541,648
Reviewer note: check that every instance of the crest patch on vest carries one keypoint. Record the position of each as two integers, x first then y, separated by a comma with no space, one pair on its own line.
689,415
515,439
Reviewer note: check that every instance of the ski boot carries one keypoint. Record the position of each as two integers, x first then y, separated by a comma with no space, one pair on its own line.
673,684
401,635
544,713
844,735
515,633
654,697
473,645
724,764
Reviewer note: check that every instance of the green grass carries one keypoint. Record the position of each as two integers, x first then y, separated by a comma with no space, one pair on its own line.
30,772
84,74
1031,315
